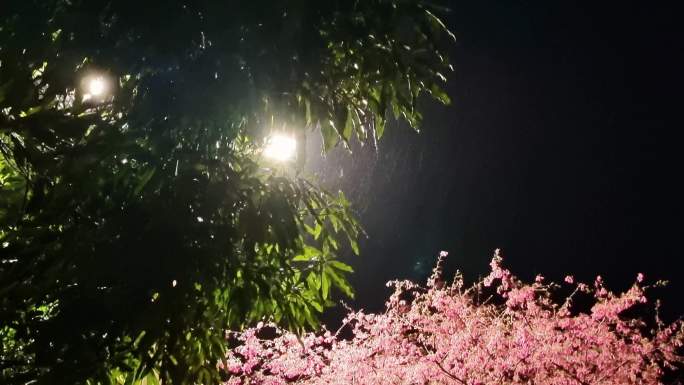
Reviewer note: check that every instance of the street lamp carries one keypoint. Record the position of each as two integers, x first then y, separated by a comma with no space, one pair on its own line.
280,147
95,88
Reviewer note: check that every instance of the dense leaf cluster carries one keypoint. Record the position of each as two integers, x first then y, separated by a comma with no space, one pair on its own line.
137,225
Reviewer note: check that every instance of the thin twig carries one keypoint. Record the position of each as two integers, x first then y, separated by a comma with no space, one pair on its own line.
449,374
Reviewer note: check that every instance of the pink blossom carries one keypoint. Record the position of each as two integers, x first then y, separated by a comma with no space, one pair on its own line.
448,334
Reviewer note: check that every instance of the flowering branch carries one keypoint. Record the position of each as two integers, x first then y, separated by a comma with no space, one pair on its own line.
444,334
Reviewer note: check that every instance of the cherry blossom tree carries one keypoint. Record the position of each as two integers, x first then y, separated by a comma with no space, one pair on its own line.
500,330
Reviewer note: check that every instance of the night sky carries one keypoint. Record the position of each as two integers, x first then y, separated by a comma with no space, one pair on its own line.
561,146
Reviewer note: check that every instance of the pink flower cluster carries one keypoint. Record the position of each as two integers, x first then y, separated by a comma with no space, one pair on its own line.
498,331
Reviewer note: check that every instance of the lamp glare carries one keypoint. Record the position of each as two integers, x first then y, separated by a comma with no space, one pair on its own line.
97,86
280,147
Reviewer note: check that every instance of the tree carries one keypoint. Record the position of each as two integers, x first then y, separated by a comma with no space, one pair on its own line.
520,333
138,220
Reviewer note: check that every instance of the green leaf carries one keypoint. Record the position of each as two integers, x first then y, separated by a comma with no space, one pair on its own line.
325,285
31,111
438,24
379,126
329,134
313,281
341,266
309,318
354,245
312,252
130,378
144,179
55,35
440,95
340,282
348,126
314,231
316,305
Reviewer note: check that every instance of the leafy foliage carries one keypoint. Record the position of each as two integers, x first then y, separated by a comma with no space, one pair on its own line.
138,224
520,333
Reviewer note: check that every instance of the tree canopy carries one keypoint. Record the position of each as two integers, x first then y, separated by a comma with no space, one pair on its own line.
139,222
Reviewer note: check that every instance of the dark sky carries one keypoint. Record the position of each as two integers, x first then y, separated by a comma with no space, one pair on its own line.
562,147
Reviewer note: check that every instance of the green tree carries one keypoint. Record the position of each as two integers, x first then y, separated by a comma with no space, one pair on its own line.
138,224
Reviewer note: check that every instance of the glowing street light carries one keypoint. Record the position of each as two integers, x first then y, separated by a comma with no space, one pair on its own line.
95,88
280,147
